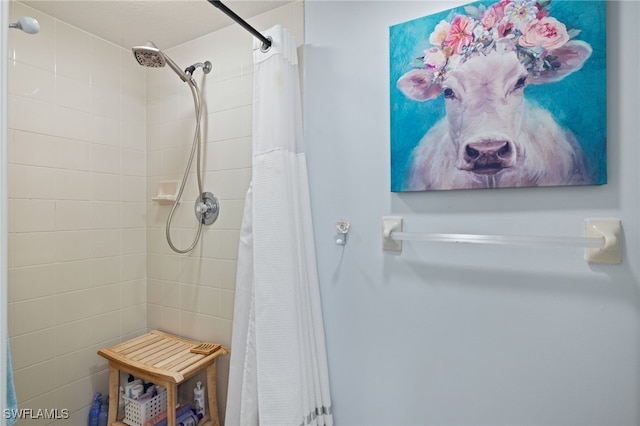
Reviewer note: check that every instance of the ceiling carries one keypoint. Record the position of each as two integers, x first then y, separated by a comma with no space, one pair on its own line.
167,22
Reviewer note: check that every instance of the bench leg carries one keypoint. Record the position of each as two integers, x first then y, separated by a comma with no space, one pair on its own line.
114,394
171,405
212,394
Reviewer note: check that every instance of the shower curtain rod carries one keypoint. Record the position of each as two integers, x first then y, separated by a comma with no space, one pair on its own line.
265,41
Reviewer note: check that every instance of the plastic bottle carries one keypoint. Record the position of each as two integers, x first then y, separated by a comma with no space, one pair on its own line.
104,413
198,398
95,409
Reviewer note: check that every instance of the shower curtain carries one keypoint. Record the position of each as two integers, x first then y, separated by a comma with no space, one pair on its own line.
278,374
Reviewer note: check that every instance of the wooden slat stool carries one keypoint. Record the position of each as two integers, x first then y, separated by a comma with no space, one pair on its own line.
164,360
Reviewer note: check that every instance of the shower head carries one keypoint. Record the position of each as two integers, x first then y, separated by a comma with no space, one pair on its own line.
26,24
150,56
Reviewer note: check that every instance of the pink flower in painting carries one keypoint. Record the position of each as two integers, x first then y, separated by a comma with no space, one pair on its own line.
490,19
498,8
461,33
434,59
439,34
547,32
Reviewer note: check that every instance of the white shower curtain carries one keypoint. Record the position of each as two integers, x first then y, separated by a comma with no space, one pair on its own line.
278,374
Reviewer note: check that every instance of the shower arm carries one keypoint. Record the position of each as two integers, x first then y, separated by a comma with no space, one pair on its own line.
266,43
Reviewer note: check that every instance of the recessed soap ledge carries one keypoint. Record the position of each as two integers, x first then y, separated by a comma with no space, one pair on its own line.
167,191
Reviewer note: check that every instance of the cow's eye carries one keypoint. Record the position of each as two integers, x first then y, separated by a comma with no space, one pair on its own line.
520,83
449,93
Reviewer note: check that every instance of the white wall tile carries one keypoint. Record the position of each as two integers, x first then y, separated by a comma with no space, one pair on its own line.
133,214
105,243
32,281
22,353
105,100
72,337
72,124
34,215
70,276
34,248
105,64
72,245
133,135
133,188
105,131
74,395
22,110
73,47
33,149
105,187
72,93
31,82
133,240
133,318
106,270
71,367
105,327
73,215
72,185
33,315
133,163
35,380
133,293
134,267
72,154
33,182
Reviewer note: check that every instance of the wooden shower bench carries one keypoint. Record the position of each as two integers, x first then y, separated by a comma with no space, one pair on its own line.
165,360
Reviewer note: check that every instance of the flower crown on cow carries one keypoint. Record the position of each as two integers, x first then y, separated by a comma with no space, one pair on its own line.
521,26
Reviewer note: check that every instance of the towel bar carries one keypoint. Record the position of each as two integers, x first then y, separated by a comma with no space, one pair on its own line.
601,241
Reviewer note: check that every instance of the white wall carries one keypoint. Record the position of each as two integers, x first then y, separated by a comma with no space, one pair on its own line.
465,334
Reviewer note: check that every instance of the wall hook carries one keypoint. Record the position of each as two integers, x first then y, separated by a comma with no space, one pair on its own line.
342,226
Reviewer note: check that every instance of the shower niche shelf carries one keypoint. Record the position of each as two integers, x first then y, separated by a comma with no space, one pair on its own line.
167,192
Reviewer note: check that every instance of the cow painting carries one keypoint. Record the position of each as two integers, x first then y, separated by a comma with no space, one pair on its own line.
481,62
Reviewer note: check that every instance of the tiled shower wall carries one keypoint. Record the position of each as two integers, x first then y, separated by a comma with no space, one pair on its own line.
91,136
77,188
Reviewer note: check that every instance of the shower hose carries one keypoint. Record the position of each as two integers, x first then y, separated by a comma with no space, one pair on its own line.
195,149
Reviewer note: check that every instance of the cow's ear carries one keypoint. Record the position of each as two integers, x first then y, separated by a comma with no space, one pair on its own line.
417,85
570,57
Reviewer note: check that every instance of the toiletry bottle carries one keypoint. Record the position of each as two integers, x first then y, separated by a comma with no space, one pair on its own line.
95,409
104,413
198,398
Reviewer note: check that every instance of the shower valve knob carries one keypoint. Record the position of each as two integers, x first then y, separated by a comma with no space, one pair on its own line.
207,208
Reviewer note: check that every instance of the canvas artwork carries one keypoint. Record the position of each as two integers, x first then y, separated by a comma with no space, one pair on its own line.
499,94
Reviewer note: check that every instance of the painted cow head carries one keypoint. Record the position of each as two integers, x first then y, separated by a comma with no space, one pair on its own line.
484,103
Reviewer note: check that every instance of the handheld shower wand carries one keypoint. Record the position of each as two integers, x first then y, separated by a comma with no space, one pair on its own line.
206,206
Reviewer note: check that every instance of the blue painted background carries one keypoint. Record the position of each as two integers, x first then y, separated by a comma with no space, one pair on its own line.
578,102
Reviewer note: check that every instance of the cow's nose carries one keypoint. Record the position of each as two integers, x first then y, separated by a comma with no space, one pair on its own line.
496,149
488,156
